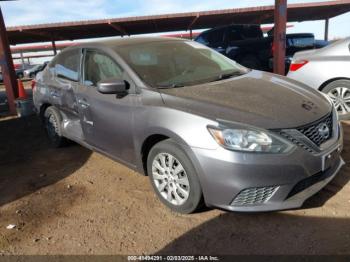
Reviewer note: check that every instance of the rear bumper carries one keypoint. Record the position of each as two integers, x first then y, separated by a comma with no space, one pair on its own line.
263,182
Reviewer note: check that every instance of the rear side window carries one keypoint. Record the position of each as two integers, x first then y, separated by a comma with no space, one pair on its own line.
233,34
252,32
98,66
67,65
301,42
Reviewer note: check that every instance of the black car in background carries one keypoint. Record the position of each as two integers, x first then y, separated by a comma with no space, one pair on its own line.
28,71
31,72
247,44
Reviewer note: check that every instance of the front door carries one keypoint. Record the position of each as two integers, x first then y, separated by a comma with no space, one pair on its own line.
106,120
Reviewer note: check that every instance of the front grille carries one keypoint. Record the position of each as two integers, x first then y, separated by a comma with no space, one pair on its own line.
254,196
296,141
313,131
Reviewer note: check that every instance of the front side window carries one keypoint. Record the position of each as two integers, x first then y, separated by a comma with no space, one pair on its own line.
98,66
216,37
67,65
174,63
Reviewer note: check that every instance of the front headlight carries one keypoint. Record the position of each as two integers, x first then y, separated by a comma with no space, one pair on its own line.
249,140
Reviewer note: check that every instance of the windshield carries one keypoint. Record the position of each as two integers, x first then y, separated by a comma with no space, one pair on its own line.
167,64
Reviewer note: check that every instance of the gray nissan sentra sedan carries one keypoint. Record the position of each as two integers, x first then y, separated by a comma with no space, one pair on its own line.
203,128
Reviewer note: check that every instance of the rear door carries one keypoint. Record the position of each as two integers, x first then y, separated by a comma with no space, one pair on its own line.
62,82
106,120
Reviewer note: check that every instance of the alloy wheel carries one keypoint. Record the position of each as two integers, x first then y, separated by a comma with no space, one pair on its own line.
52,128
340,97
170,179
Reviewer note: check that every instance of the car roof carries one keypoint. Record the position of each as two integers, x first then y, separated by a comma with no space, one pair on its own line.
338,48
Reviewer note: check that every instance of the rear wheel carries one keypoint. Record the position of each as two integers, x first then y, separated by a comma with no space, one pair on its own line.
52,122
339,92
174,178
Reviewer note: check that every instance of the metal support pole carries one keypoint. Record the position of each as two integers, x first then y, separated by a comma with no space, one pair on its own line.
326,25
191,35
279,40
22,59
8,71
54,47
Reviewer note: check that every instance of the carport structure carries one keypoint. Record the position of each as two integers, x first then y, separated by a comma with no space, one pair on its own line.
171,22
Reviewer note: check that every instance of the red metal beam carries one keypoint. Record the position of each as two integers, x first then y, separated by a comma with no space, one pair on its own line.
118,28
279,40
193,22
8,71
32,56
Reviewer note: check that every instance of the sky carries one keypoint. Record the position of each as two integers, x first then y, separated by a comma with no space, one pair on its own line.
26,12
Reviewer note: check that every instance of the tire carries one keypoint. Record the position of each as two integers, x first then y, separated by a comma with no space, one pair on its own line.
185,205
32,75
52,122
20,76
339,92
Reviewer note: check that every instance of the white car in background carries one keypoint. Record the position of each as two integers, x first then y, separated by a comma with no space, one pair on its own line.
327,70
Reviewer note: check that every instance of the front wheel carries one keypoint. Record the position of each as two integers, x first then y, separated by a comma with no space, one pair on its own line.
339,92
174,178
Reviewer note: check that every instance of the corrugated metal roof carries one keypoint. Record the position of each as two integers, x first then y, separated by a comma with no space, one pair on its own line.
171,22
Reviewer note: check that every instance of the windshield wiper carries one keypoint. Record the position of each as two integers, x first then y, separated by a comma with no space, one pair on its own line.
170,86
226,76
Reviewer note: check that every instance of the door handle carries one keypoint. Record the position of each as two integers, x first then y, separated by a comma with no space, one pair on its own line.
83,103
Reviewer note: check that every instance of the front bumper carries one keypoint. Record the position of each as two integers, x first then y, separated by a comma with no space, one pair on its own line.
250,182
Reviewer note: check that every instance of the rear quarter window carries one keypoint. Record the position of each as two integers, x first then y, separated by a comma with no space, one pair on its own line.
66,65
203,39
301,42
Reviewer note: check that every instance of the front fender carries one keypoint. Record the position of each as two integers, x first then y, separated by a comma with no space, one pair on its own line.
185,128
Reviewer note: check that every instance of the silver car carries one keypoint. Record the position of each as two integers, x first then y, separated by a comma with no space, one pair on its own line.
327,70
203,128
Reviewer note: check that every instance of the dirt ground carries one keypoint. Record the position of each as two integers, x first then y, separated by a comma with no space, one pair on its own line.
74,201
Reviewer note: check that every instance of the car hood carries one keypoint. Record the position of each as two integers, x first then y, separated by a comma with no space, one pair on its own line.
256,98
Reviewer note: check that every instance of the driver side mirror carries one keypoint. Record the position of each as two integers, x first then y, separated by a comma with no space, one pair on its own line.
113,86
